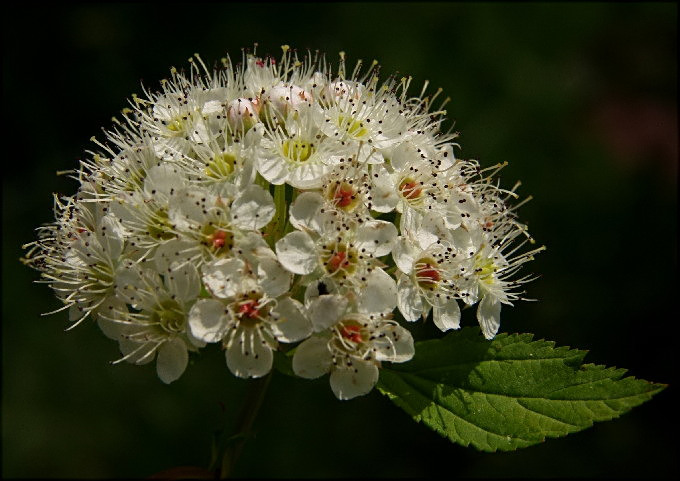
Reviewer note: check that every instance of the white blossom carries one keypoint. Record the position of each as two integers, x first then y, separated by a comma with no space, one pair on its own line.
281,201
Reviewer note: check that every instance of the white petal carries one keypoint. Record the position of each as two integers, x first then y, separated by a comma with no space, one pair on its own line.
163,179
249,355
447,316
297,253
408,299
489,315
172,360
422,228
384,196
293,324
140,353
253,209
377,237
355,380
273,278
209,320
183,281
172,251
128,283
324,311
111,235
396,345
223,277
304,212
111,309
404,254
379,294
308,175
188,209
273,169
312,358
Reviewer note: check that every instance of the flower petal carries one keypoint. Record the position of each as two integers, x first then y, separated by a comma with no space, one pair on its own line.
173,251
393,343
404,254
297,253
273,278
172,360
447,315
324,311
293,324
377,237
348,382
304,212
249,355
253,209
110,235
379,294
183,282
312,358
489,315
223,278
209,320
408,299
272,168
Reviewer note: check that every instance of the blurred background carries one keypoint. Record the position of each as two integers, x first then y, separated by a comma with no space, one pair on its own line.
580,99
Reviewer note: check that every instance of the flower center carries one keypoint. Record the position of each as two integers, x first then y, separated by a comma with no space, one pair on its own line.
218,239
220,166
344,196
351,332
339,259
410,189
170,316
485,269
427,275
249,309
178,124
298,150
160,227
353,127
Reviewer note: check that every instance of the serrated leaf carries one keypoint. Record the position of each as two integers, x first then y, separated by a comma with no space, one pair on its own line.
507,393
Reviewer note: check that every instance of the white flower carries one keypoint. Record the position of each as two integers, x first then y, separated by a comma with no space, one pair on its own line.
351,346
272,200
246,315
158,323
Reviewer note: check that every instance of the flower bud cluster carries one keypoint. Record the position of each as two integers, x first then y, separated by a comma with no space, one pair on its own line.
277,202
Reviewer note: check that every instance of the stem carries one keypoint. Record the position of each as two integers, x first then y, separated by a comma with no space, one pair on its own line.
251,407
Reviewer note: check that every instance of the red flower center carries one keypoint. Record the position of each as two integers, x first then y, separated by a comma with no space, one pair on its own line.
249,309
337,260
351,333
218,238
343,197
410,189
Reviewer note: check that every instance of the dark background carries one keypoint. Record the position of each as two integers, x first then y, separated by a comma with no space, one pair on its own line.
580,99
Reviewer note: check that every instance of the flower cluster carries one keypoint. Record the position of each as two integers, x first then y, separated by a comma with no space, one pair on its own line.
277,201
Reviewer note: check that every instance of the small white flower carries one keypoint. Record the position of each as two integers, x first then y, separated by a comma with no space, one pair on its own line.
351,347
246,315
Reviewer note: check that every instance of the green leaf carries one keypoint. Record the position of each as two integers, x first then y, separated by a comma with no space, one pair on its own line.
507,393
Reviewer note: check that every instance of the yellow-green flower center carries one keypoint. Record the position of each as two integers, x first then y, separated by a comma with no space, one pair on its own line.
354,128
160,227
222,165
170,316
298,150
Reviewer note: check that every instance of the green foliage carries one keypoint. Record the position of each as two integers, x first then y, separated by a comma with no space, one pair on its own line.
510,392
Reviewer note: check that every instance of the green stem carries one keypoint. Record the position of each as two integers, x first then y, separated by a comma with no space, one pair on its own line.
251,407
